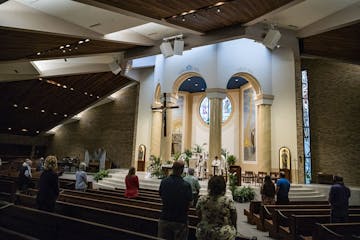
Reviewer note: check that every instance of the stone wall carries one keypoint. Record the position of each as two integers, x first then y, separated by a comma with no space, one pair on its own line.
334,96
110,126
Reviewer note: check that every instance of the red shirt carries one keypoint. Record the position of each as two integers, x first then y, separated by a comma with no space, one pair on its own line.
132,186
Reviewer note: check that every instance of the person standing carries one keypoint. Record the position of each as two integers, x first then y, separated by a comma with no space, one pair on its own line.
48,185
81,178
339,200
217,213
176,196
25,176
194,183
132,184
282,190
216,165
268,191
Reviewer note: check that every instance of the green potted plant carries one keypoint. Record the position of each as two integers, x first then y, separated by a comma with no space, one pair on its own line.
101,174
155,167
231,159
243,194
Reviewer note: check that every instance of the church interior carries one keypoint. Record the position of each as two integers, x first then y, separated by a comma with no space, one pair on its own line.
273,85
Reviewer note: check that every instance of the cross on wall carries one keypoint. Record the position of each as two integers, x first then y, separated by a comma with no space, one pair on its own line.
163,108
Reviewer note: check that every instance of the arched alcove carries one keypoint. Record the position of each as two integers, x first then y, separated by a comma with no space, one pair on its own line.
239,79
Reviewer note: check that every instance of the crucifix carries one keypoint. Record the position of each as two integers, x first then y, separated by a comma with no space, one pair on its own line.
164,107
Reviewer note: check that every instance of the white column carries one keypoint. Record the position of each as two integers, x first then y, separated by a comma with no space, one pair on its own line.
215,96
263,103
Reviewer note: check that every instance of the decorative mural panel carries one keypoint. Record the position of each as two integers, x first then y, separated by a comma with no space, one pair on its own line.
177,122
249,125
306,127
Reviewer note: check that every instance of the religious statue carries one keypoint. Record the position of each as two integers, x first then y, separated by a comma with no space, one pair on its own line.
284,159
200,165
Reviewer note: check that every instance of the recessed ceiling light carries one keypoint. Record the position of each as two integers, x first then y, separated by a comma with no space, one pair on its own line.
15,105
85,93
202,89
236,80
26,108
97,96
72,89
189,79
87,40
64,86
81,42
37,131
55,113
67,45
91,95
65,115
38,53
40,79
9,129
24,130
61,47
64,51
42,110
196,84
59,85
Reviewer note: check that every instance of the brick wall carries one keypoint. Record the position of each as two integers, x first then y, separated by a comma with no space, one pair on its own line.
110,126
334,95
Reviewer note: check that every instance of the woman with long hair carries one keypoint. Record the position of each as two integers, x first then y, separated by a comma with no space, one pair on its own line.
268,191
132,184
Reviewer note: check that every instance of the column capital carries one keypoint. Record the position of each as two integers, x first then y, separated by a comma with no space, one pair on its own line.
216,93
264,99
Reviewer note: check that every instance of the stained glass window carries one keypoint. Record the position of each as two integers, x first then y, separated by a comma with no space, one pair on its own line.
205,109
306,127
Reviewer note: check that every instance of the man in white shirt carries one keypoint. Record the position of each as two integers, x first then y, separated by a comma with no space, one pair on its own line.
216,165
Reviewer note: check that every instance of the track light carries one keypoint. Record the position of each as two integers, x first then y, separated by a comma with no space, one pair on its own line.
166,49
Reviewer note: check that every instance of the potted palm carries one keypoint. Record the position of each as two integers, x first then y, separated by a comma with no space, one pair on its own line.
231,159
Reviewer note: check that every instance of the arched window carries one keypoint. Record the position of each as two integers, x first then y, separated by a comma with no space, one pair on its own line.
204,110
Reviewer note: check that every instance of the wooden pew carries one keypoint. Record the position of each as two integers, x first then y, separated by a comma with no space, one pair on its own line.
7,190
116,219
267,211
45,225
337,231
281,219
303,226
119,207
6,234
136,202
253,212
142,196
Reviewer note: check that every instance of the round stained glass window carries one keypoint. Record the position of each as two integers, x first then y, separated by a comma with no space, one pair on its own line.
204,110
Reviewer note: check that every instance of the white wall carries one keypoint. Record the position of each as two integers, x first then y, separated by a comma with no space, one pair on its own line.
216,64
144,118
283,111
